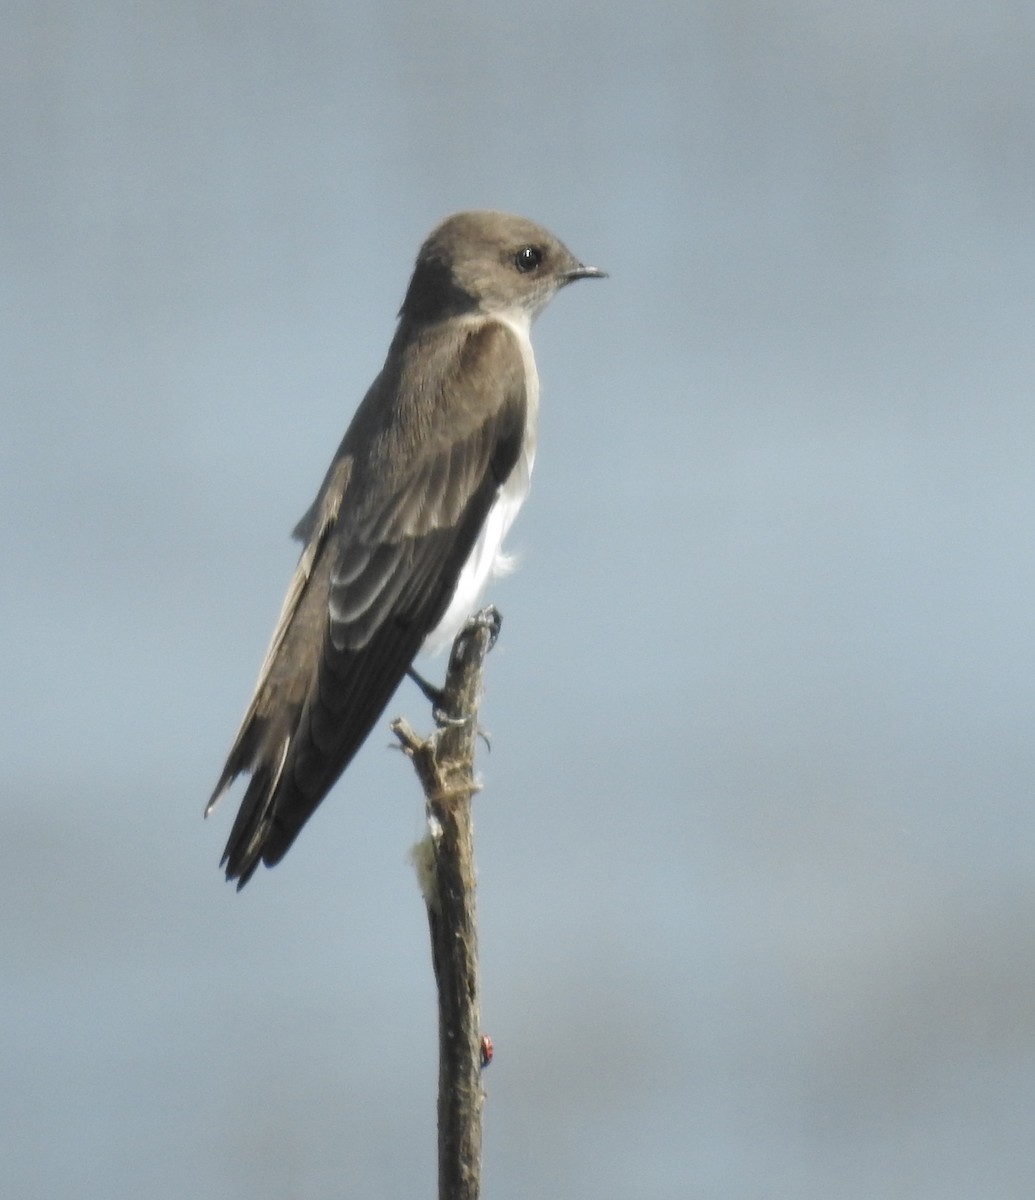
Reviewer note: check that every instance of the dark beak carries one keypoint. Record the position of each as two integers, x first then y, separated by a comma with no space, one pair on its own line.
581,272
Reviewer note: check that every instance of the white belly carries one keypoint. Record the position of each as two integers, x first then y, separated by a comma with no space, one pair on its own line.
487,559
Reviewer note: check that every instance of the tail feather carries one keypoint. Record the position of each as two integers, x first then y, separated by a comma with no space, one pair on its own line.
254,820
240,758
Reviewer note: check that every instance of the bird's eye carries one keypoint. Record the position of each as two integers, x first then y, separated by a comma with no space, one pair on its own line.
528,258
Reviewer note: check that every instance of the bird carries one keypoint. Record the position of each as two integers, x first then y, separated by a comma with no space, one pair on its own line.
408,524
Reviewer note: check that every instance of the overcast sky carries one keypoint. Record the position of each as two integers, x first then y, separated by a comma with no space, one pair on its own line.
757,841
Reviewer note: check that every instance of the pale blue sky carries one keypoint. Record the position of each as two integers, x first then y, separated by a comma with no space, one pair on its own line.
757,842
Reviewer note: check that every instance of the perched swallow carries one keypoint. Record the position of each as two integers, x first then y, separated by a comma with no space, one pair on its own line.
408,524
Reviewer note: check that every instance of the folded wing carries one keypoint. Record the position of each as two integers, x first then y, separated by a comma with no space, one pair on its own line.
387,538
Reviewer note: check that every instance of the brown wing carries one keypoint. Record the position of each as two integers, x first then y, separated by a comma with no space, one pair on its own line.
396,519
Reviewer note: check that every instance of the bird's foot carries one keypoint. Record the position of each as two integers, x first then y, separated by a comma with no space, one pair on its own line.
489,618
444,721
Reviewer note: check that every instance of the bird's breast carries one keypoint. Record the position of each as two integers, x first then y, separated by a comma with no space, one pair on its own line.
487,558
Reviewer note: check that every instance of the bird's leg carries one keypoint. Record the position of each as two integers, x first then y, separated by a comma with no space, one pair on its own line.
436,697
431,693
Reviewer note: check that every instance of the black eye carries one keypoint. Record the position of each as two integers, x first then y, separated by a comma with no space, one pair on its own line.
528,258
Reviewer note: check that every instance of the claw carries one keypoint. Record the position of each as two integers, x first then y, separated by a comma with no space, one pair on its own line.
444,721
489,618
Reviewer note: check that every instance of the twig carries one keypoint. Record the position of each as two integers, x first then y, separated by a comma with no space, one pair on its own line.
445,861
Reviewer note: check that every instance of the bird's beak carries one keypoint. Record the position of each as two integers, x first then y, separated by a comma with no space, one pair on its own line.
582,272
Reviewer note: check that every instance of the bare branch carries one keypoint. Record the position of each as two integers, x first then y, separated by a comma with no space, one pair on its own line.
445,863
